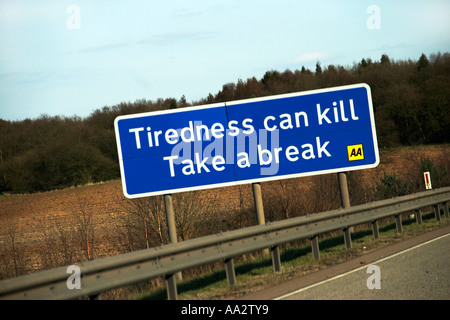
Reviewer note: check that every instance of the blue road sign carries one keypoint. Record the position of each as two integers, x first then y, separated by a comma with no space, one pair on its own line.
253,140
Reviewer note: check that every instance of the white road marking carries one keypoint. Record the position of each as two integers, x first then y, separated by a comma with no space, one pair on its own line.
357,269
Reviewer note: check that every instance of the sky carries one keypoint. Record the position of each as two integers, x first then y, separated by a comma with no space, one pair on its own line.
69,58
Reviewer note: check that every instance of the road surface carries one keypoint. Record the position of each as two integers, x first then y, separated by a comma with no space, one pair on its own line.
414,269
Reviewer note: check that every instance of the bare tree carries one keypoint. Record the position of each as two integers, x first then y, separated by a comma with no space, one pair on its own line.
59,243
13,253
195,213
140,222
84,228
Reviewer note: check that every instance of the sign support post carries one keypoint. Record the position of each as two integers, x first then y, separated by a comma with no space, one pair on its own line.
345,203
257,197
260,218
171,227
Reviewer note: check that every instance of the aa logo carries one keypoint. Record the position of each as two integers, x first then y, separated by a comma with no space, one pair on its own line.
355,152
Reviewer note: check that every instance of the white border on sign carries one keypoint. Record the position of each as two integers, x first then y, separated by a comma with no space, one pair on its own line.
235,102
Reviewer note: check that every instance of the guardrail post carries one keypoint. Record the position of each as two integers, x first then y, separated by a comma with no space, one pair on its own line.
347,238
418,214
375,230
276,260
171,285
398,223
315,247
231,275
446,209
437,213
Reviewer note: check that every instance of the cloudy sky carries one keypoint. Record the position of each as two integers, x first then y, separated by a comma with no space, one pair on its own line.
68,58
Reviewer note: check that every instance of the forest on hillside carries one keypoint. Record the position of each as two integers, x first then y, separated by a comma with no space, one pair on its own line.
411,102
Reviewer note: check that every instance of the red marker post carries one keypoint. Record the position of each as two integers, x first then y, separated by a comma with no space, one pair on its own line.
427,178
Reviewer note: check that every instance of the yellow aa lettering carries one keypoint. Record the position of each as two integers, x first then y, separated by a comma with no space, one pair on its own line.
355,152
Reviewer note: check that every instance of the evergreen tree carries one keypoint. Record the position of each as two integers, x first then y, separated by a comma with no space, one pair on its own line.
423,62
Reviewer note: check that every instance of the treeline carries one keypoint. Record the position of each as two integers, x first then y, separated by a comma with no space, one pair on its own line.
411,101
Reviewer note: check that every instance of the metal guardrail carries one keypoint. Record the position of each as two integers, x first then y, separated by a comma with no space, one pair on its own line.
117,271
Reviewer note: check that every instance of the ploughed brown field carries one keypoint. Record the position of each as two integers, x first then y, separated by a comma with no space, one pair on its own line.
28,221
